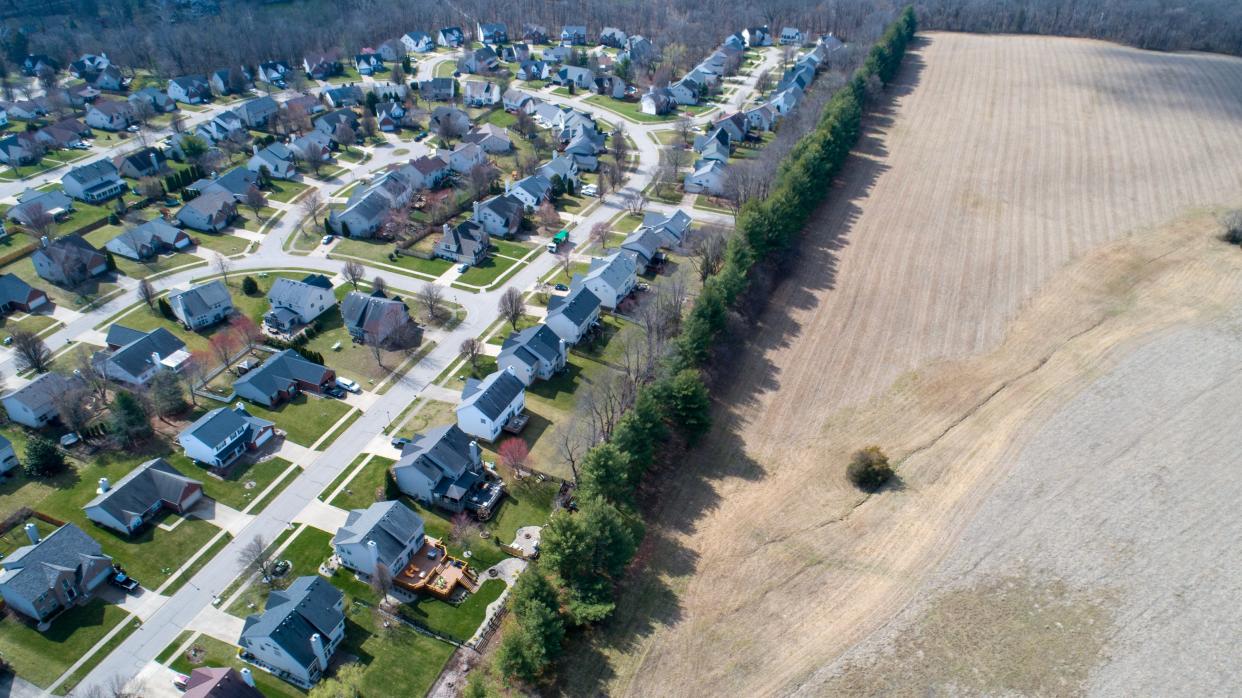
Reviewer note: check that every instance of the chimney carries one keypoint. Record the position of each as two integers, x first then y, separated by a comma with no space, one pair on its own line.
254,148
373,553
155,358
320,653
447,228
508,184
247,676
155,162
104,485
474,451
476,209
43,241
32,532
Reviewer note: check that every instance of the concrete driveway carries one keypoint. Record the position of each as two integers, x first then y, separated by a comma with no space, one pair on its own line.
221,515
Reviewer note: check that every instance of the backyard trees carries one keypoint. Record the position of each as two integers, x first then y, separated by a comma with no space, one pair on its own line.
73,407
345,136
869,468
707,250
514,453
379,285
353,271
587,550
548,217
32,352
688,405
246,331
470,350
224,346
39,221
250,287
167,398
536,638
511,306
43,459
129,418
194,371
151,188
605,475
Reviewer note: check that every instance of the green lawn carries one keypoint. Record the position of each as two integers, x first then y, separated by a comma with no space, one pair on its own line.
627,223
574,203
501,118
131,626
359,493
198,564
351,360
632,110
458,622
372,251
304,418
30,323
445,69
41,658
223,243
512,248
559,276
285,191
76,298
486,272
345,474
348,74
434,413
245,482
504,329
219,654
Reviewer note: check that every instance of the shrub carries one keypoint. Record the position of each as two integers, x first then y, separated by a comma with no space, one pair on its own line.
166,309
43,459
1232,223
249,286
869,469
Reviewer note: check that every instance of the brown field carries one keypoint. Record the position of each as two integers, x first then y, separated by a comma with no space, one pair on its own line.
1029,212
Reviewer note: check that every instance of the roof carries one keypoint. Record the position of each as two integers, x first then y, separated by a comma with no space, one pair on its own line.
678,221
443,452
13,289
135,356
644,241
218,682
373,314
613,270
392,525
93,172
538,342
142,488
31,569
71,250
42,393
209,203
306,608
200,299
217,428
493,394
536,185
258,107
504,205
577,305
280,371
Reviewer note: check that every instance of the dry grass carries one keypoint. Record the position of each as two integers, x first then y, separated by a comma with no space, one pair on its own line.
960,285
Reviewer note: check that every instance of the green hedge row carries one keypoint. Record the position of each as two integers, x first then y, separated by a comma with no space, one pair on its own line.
584,553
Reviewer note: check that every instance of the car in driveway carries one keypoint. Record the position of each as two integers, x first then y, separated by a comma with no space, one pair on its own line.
463,268
121,580
561,287
590,190
335,391
399,442
327,239
347,384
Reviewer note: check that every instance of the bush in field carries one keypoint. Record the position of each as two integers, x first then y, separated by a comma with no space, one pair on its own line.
1232,223
869,468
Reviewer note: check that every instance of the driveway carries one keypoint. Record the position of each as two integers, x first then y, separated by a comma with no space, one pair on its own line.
221,515
324,517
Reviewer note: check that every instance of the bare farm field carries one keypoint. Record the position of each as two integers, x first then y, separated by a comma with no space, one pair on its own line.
1016,290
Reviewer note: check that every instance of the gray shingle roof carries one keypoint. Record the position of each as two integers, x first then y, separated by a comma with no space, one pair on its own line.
200,299
578,305
42,393
215,427
307,607
31,569
280,372
538,341
153,482
13,289
442,453
492,394
390,524
135,356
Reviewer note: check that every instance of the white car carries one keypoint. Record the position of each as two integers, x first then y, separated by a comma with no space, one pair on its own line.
347,384
327,239
590,190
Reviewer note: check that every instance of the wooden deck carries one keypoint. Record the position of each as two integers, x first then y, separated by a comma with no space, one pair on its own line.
432,571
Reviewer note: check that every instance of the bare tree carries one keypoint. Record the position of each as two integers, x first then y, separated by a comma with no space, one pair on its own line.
39,221
707,250
151,188
379,285
482,176
86,369
573,439
146,292
353,271
685,131
566,262
256,558
222,266
345,136
634,202
381,581
193,371
74,409
255,199
32,352
599,233
315,159
470,350
431,297
310,204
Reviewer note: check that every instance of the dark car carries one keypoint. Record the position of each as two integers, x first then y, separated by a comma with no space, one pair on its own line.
400,442
120,579
561,287
334,391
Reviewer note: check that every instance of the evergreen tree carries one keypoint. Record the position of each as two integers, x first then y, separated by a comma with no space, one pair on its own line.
129,417
43,459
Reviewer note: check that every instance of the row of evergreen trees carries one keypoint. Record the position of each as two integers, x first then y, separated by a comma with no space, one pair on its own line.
583,554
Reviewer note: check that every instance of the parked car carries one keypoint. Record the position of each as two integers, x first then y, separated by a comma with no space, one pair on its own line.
69,439
119,578
463,268
327,239
421,135
399,442
335,391
171,201
590,190
561,287
347,384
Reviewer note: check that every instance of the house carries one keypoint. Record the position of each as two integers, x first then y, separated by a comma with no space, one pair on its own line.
431,171
159,100
500,216
25,109
89,65
110,115
491,34
450,37
533,70
465,157
36,63
53,573
20,148
210,212
298,302
137,356
610,86
303,105
8,457
418,42
792,36
16,294
760,118
220,682
236,183
369,63
685,91
574,35
256,113
230,80
534,34
644,245
515,100
201,305
190,89
389,116
35,404
444,468
276,158
144,162
672,227
734,126
375,319
757,36
141,495
55,138
713,150
226,125
557,54
314,144
560,166
344,96
384,534
321,66
147,240
298,632
32,204
281,377
581,78
611,36
221,436
368,207
490,137
610,278
657,101
585,151
708,177
531,191
515,53
464,243
275,73
785,101
800,76
535,352
438,89
480,60
330,122
638,49
479,93
109,78
487,405
68,261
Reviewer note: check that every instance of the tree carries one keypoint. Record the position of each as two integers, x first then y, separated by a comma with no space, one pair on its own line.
470,350
535,640
315,159
548,217
73,407
685,131
566,262
431,297
129,417
256,558
378,284
1232,223
167,398
147,293
193,146
634,202
39,221
224,346
222,266
464,527
587,551
246,331
381,581
32,352
250,287
255,199
869,469
511,306
599,234
345,683
707,250
605,474
310,204
151,188
345,136
353,271
193,371
43,459
513,453
369,126
688,405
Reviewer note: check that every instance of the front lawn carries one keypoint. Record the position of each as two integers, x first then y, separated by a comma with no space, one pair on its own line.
359,492
560,276
487,271
434,413
285,191
219,654
632,110
351,359
245,482
483,366
41,658
512,248
222,243
76,298
375,251
304,418
445,69
30,323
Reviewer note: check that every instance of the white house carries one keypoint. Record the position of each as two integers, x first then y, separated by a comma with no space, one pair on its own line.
201,305
418,42
53,573
535,352
299,302
385,534
221,436
488,404
708,177
8,457
35,404
610,278
98,181
278,160
572,315
137,356
298,632
792,36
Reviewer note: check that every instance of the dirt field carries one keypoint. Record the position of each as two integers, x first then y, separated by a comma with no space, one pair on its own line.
959,290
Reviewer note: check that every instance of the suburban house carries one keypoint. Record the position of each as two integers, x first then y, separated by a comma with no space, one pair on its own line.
480,93
16,294
369,63
34,404
515,100
296,302
610,278
714,150
281,377
390,115
220,682
561,166
791,36
457,120
36,63
610,86
201,305
760,118
580,78
257,112
8,457
785,101
571,316
274,73
147,240
141,495
311,145
611,36
330,122
533,70
226,126
376,319
392,51
450,37
306,105
344,96
464,243
225,81
144,162
321,66
487,405
685,91
556,54
110,115
19,148
418,42
93,183
491,34
515,53
385,533
32,204
585,149
236,183
191,89
757,36
367,208
210,212
500,216
465,157
53,573
68,261
574,35
534,34
535,352
531,191
134,357
444,468
438,89
298,632
644,244
672,227
221,436
276,158
638,49
480,60
490,137
708,177
432,171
